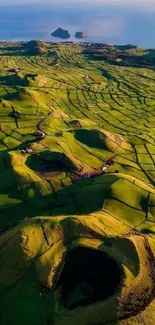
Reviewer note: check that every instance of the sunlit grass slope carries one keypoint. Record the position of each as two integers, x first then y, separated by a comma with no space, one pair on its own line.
90,105
41,247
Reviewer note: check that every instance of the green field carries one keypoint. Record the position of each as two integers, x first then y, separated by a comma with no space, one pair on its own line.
92,103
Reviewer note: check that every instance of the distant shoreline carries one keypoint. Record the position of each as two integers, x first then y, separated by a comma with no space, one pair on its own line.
75,41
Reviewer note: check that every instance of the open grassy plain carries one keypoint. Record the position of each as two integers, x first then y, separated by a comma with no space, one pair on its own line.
91,103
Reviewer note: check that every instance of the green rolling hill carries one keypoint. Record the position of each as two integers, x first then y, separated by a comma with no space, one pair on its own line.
66,110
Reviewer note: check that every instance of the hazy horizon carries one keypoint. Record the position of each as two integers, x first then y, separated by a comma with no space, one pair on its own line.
116,22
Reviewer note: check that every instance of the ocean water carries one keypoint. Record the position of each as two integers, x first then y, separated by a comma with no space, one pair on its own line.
103,23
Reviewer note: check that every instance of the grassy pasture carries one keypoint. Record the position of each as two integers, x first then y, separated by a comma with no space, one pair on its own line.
91,108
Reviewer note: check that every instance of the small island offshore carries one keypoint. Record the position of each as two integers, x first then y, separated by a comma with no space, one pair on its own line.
81,35
61,33
64,34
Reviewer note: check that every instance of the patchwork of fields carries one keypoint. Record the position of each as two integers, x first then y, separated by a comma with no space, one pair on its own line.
89,111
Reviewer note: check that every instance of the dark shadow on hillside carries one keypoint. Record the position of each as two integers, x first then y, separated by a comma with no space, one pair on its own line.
19,93
51,161
42,164
14,80
128,55
11,96
12,51
93,138
147,231
82,198
11,48
88,276
18,53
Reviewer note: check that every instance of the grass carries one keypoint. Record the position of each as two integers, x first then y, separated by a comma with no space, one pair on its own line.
96,104
38,259
30,302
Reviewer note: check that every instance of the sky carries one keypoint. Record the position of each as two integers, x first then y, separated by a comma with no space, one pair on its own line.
143,3
75,1
111,21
